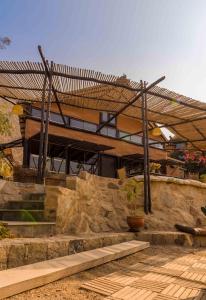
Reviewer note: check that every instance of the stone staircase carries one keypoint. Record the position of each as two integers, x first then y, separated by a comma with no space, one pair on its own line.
25,218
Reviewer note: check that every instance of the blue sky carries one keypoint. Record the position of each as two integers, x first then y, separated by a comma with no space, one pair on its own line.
144,39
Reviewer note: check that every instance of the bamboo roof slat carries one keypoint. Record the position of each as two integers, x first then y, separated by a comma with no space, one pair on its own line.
94,90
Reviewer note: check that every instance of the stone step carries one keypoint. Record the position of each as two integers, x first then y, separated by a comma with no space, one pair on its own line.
34,196
33,215
31,229
20,279
26,204
166,238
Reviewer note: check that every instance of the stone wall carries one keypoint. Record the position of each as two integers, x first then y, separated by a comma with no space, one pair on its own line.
89,204
97,204
10,190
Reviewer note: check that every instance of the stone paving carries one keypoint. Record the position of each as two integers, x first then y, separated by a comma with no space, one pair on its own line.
159,277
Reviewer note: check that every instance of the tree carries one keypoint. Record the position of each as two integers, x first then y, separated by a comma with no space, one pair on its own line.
4,42
5,125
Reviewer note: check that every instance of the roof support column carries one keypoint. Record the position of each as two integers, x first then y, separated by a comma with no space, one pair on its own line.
147,197
41,143
47,125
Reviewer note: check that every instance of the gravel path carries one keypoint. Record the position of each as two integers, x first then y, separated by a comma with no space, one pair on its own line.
69,288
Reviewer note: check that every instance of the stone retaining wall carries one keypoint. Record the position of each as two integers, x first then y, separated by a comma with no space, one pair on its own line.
97,204
89,204
10,190
19,252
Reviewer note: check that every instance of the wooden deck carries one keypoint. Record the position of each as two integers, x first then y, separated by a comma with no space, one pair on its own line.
155,278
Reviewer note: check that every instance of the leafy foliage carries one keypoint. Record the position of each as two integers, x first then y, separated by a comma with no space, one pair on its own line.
4,232
5,125
133,189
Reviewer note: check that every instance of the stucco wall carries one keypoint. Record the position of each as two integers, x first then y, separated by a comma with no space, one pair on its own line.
96,204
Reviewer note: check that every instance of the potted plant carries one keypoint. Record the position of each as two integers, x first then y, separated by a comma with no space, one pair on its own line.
135,220
203,178
155,167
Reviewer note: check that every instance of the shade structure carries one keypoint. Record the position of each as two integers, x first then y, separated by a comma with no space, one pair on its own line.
87,89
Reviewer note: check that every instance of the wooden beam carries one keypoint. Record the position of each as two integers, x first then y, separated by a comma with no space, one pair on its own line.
52,86
47,124
177,142
134,99
69,76
42,133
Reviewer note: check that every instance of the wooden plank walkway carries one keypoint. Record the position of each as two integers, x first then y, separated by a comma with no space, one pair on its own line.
17,280
156,278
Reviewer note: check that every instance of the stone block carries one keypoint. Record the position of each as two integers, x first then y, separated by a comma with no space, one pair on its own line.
199,241
3,258
57,248
76,246
36,251
71,182
16,255
112,185
92,243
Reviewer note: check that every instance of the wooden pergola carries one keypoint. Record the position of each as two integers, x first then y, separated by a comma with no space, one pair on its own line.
47,82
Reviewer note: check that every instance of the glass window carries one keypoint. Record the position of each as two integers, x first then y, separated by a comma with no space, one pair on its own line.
56,118
109,131
58,165
76,123
105,116
103,131
159,146
113,121
136,139
122,134
36,113
90,126
33,163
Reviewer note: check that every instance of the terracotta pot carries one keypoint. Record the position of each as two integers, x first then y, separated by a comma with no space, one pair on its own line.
135,222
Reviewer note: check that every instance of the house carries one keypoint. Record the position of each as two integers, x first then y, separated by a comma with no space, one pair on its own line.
78,146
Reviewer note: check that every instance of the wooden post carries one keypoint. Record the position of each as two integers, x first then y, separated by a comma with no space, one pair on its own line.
147,149
47,124
41,142
25,153
68,158
145,153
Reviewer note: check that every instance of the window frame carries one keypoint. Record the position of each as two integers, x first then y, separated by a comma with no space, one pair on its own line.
109,114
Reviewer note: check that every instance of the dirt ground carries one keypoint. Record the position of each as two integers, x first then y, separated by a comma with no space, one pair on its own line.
69,288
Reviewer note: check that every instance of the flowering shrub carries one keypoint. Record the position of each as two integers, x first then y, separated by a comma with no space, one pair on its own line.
194,161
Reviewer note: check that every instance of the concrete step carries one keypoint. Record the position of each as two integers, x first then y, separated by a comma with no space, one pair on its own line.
34,196
31,229
17,280
26,204
33,215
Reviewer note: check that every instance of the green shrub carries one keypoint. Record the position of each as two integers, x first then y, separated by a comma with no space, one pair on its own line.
4,232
